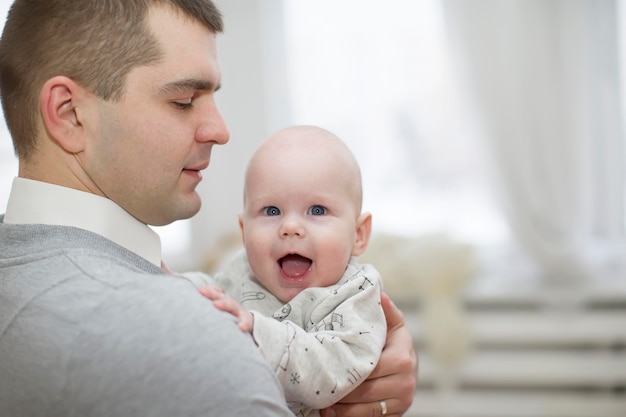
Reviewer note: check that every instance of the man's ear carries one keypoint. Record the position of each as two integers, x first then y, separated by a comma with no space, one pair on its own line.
363,232
58,102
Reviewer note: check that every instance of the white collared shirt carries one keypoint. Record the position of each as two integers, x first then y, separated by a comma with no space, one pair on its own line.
36,202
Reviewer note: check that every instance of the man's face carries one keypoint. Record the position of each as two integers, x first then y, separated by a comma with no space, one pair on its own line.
149,147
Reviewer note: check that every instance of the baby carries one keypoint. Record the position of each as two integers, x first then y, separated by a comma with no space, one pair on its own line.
312,309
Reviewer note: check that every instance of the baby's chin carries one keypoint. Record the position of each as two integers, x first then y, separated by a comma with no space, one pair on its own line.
285,295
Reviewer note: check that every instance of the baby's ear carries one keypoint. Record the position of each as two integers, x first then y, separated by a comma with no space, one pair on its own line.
240,217
363,232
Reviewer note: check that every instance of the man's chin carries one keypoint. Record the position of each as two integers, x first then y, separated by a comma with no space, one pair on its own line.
180,213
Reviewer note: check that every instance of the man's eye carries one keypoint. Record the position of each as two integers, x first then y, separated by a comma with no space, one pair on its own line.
183,105
317,210
272,211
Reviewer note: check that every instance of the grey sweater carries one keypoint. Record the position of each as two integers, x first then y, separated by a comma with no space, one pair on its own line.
88,328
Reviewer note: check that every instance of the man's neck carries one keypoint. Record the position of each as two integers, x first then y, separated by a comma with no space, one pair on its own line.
36,202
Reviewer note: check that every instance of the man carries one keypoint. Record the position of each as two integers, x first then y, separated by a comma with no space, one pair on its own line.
111,108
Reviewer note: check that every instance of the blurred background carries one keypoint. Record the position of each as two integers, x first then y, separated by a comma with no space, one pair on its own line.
491,139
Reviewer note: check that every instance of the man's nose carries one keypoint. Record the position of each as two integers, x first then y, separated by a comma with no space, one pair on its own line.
213,127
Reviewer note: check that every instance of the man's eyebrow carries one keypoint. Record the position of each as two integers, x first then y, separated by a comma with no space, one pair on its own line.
188,84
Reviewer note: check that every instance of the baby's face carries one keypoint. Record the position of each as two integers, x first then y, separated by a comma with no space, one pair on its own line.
300,220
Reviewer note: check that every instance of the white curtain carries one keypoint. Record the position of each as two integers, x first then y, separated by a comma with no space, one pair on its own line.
545,77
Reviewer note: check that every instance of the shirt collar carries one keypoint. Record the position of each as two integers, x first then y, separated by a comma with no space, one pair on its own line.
36,202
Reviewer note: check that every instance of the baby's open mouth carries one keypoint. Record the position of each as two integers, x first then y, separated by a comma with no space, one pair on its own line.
294,265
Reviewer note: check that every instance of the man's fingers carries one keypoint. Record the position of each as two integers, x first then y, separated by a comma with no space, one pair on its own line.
371,409
393,315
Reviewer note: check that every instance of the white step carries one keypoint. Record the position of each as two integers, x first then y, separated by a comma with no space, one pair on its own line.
498,291
600,329
595,370
499,404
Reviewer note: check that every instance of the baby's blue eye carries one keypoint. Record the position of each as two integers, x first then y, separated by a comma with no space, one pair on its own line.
272,211
317,210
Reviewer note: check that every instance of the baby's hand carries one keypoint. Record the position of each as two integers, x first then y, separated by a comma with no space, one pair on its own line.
228,304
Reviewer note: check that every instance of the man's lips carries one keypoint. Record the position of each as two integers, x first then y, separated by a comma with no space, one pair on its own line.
194,174
193,171
196,169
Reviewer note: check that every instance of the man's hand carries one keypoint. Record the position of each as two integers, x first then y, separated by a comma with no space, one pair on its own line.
392,381
228,304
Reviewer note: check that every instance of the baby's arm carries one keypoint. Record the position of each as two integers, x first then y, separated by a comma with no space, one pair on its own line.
228,304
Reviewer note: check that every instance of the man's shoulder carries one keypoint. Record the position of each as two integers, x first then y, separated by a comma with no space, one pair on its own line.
118,335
